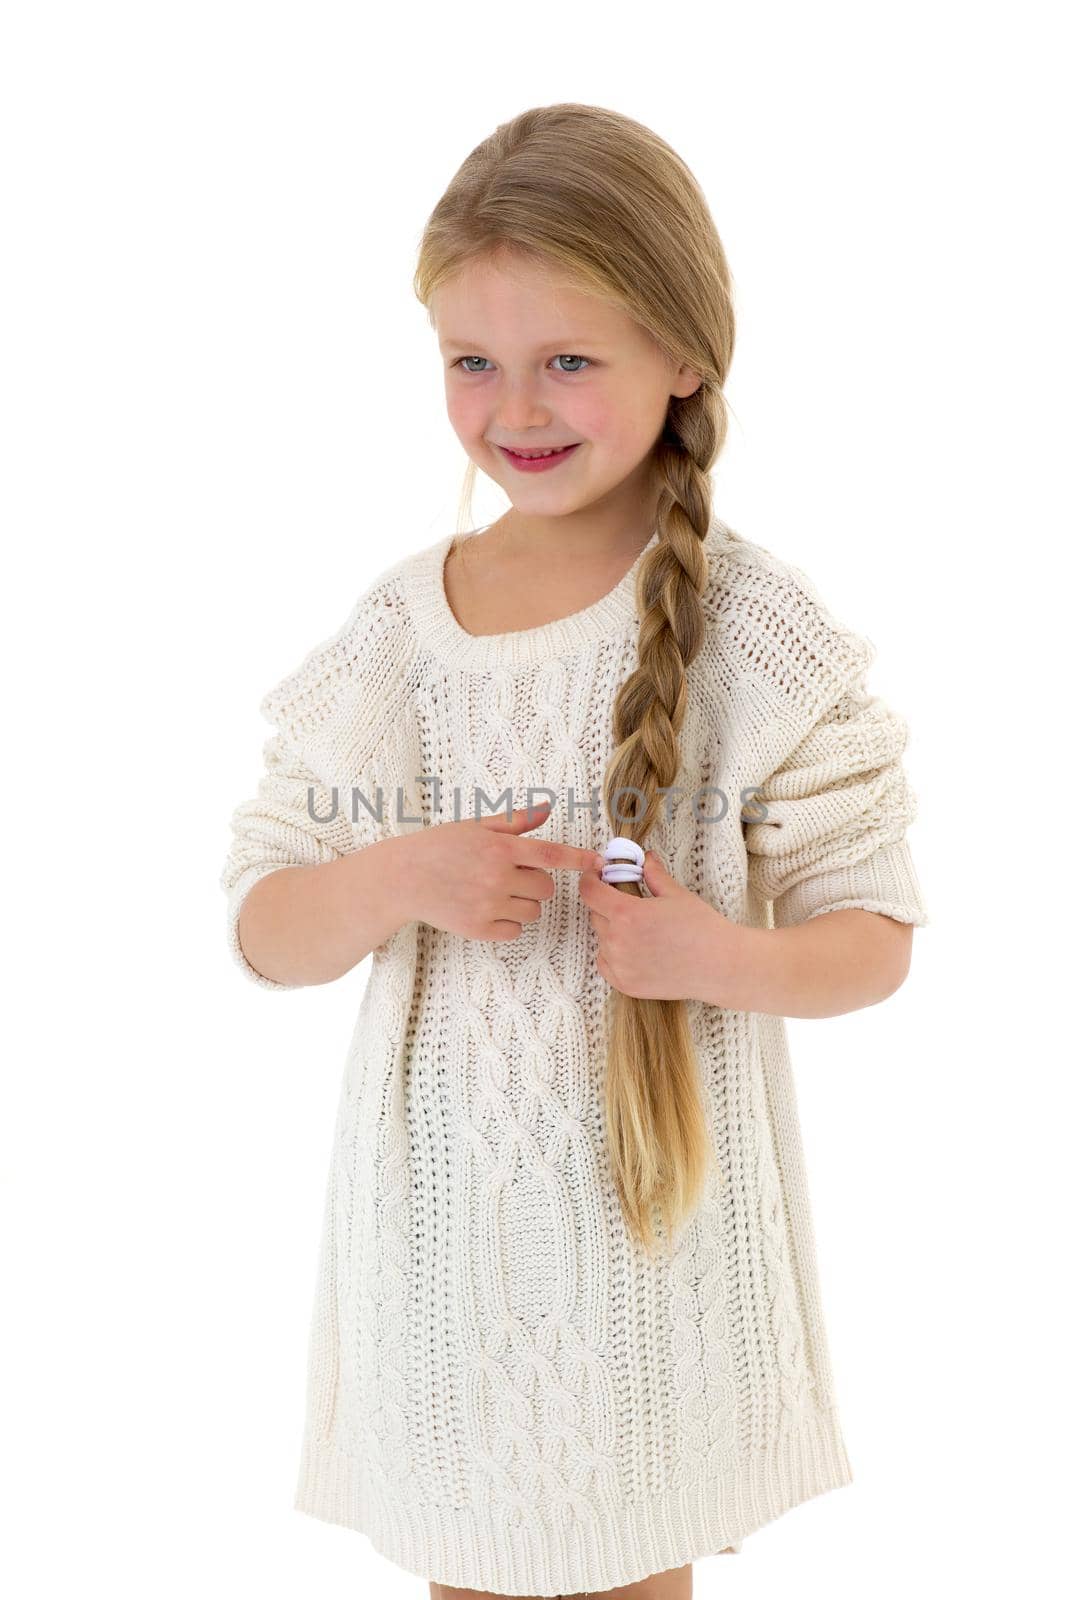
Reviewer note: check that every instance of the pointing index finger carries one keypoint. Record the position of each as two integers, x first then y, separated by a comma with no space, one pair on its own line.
554,856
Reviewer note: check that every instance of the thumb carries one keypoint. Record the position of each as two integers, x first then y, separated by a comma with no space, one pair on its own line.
657,878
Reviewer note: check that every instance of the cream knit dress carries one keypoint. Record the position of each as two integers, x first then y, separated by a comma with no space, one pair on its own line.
503,1391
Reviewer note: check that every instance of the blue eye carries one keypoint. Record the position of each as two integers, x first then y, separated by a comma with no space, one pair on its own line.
461,359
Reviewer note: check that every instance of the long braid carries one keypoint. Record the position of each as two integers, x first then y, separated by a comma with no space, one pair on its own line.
660,1160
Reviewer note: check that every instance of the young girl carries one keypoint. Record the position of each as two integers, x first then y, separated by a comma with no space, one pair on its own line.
568,1334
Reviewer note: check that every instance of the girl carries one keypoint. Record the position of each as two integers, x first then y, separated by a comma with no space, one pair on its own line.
568,1334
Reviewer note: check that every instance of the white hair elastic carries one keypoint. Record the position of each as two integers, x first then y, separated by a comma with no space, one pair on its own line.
625,862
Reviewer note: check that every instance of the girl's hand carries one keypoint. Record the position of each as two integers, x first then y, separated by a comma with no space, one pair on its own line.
674,946
480,878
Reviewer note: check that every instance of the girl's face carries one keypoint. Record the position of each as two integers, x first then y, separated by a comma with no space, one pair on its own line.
531,363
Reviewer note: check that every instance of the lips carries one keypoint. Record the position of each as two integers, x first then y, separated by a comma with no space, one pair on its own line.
535,455
538,461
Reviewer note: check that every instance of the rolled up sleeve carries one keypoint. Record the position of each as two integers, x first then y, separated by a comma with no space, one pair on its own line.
835,819
280,828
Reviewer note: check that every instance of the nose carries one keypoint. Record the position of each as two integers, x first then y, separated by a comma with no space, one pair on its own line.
521,407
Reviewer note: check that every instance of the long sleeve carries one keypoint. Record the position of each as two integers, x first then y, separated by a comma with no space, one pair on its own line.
837,811
277,829
329,716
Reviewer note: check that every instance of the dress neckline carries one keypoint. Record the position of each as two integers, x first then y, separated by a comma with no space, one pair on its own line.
611,616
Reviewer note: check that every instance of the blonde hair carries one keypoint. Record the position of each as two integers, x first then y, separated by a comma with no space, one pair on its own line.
605,200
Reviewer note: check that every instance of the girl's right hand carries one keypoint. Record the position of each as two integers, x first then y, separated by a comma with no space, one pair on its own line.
481,878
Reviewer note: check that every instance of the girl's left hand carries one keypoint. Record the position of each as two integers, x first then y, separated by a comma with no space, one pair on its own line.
674,946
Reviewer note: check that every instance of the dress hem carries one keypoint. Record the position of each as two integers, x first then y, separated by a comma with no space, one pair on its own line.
556,1554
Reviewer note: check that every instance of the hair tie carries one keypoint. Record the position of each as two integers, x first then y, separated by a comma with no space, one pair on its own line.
624,862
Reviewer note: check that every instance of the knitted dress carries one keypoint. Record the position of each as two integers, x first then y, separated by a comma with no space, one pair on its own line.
504,1392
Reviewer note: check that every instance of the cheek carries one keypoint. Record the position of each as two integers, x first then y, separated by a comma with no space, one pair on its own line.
613,423
592,415
466,413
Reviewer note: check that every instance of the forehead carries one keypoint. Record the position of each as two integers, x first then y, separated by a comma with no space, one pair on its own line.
522,306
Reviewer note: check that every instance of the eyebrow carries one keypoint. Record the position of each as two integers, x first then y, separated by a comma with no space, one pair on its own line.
567,345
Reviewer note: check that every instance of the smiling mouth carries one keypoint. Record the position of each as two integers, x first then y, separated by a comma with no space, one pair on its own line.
535,455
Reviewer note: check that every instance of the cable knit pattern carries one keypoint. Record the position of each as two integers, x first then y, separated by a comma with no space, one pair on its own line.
503,1392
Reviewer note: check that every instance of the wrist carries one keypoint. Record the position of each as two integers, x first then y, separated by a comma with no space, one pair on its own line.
740,983
399,870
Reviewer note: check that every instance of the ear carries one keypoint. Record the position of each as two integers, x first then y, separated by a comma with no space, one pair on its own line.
687,382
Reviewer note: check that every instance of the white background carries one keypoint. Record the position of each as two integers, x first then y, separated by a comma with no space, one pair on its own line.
222,416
